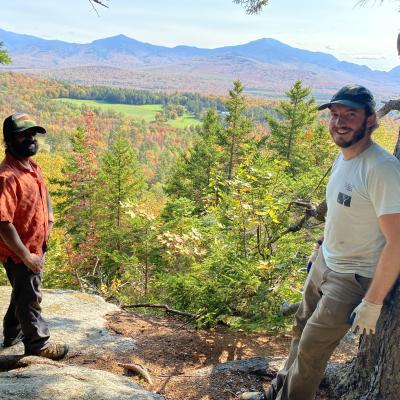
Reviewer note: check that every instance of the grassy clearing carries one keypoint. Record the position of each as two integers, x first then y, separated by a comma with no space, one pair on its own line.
145,112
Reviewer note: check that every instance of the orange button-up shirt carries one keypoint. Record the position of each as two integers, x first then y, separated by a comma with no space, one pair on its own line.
23,202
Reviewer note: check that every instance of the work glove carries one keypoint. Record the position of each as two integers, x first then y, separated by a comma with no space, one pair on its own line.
313,256
365,316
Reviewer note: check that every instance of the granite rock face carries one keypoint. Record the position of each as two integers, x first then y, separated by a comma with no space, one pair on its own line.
47,382
78,319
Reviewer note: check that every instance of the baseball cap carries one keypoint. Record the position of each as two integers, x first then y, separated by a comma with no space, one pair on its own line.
20,122
354,96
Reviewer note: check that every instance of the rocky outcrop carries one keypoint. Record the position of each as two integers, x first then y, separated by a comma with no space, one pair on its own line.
76,318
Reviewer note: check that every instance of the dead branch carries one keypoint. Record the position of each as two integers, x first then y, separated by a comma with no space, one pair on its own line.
318,212
100,2
97,2
288,309
391,105
138,370
167,308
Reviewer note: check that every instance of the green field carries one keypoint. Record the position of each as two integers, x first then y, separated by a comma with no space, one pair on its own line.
145,112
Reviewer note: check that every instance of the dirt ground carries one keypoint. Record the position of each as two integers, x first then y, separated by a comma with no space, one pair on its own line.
172,351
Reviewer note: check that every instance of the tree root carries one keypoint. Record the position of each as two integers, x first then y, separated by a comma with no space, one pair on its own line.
138,370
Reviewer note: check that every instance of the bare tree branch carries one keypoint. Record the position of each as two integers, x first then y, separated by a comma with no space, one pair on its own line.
362,3
100,2
167,308
255,6
391,105
94,8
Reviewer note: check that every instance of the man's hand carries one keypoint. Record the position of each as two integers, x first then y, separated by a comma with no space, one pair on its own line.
10,237
365,315
34,262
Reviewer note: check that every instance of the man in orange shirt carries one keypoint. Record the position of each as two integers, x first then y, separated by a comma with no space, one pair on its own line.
26,218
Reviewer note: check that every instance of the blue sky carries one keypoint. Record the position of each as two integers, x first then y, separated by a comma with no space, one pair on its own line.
365,35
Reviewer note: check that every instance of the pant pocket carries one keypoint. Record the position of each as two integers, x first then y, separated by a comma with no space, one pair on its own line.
362,281
334,313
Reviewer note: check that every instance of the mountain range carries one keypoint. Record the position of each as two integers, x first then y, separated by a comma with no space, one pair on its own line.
266,67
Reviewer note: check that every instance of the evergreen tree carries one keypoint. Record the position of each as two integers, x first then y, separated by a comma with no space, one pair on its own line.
120,181
295,117
237,130
192,175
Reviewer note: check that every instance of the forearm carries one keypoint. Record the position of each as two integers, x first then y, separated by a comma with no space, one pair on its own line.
10,237
386,273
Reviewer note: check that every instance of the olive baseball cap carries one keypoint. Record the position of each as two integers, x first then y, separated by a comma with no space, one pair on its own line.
20,122
354,96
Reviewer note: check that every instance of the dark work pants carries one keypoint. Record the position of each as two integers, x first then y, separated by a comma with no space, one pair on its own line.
24,312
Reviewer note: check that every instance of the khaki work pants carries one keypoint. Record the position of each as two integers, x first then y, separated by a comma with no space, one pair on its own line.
320,323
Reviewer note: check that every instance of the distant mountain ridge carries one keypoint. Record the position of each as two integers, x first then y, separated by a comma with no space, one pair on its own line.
265,65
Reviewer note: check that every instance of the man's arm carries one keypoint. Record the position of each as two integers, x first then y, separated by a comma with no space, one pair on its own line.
388,268
387,271
10,237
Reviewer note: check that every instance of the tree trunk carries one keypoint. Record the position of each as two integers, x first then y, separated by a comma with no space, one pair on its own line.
375,373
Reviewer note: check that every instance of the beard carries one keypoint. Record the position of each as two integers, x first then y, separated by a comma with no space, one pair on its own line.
360,134
24,149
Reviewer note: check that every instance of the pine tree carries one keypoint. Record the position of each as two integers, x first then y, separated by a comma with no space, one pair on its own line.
192,174
120,180
296,116
237,130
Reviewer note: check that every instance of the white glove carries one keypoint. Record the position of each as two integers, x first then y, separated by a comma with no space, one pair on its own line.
314,255
365,316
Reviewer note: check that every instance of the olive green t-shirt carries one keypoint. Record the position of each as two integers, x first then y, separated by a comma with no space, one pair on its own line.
359,191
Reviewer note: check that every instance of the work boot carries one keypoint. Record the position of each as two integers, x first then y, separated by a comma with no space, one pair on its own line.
8,342
54,351
269,394
252,396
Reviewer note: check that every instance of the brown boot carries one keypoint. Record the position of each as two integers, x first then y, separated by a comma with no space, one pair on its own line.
54,351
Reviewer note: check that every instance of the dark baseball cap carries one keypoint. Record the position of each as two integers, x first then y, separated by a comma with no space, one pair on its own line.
354,96
20,122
